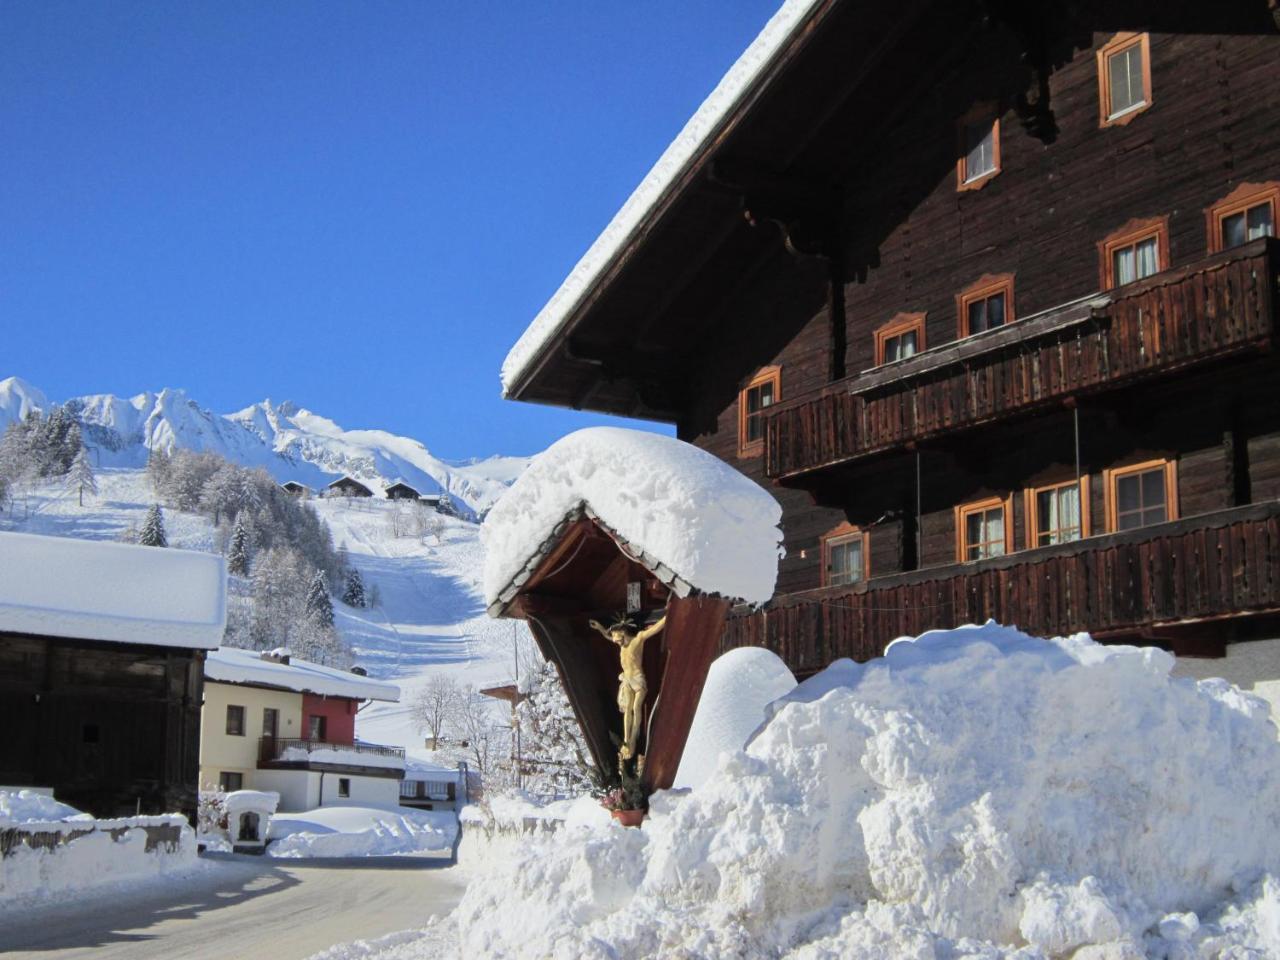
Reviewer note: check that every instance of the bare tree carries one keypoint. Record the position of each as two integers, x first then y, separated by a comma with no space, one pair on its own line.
426,522
398,519
435,705
472,721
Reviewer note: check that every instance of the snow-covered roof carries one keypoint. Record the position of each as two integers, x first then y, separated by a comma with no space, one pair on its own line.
118,592
693,520
701,130
232,665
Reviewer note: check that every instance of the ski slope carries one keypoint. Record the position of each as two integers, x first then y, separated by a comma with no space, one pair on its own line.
430,619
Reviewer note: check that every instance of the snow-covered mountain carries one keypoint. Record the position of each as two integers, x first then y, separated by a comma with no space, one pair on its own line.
289,442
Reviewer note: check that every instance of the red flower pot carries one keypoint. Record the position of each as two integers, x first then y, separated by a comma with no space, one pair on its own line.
629,818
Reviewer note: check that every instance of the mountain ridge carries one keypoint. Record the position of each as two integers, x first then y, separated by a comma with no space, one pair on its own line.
286,439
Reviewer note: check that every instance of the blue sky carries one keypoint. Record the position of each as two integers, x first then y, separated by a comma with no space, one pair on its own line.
356,206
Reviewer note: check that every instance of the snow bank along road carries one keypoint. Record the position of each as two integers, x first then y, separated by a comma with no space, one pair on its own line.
240,907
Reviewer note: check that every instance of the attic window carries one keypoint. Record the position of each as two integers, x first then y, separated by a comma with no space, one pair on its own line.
762,392
1124,78
979,153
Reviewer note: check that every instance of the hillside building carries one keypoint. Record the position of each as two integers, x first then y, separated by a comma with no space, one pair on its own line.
985,294
274,723
347,487
296,489
399,490
101,654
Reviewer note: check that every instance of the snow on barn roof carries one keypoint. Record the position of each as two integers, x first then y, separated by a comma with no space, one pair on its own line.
232,665
689,517
118,592
688,146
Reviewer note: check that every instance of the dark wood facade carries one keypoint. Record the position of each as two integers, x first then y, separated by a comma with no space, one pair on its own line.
843,159
347,487
114,728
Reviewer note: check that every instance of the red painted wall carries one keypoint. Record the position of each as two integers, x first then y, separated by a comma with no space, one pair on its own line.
339,714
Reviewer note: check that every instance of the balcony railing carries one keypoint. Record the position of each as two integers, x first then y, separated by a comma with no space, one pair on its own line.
1200,568
1219,307
273,750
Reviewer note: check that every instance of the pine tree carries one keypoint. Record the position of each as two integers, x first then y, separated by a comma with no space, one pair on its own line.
238,549
353,592
319,606
81,477
152,534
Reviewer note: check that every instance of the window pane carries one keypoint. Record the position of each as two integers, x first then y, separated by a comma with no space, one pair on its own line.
977,316
995,311
766,395
979,150
1147,256
995,533
1260,222
755,427
1122,266
908,343
1128,494
753,400
1233,230
1153,489
973,534
1133,56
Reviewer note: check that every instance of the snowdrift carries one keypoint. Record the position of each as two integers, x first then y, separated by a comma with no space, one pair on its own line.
975,793
677,506
360,832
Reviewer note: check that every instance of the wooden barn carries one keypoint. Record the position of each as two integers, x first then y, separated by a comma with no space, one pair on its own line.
402,491
296,489
101,655
348,487
985,294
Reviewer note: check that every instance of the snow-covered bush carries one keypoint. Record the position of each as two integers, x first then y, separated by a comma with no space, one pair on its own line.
976,793
211,811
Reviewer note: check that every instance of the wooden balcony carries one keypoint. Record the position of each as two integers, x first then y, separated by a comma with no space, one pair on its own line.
1201,568
1222,306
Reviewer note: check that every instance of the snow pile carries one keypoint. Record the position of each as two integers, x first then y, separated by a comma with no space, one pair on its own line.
92,854
739,685
20,806
688,145
976,793
683,512
57,587
361,832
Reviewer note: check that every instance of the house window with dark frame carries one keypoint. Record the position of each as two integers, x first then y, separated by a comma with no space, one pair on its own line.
979,153
986,304
1057,513
344,787
1141,495
235,720
758,396
983,529
228,781
316,727
1247,213
844,556
1124,78
901,337
270,722
1137,250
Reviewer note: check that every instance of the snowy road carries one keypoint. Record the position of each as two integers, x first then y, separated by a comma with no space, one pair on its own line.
241,907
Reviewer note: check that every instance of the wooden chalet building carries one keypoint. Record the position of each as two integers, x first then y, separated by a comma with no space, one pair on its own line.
986,294
101,655
402,491
296,489
347,487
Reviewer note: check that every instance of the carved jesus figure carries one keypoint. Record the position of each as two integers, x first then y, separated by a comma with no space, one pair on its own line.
632,686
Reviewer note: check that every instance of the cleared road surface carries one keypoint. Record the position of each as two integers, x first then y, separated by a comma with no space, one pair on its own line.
240,907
